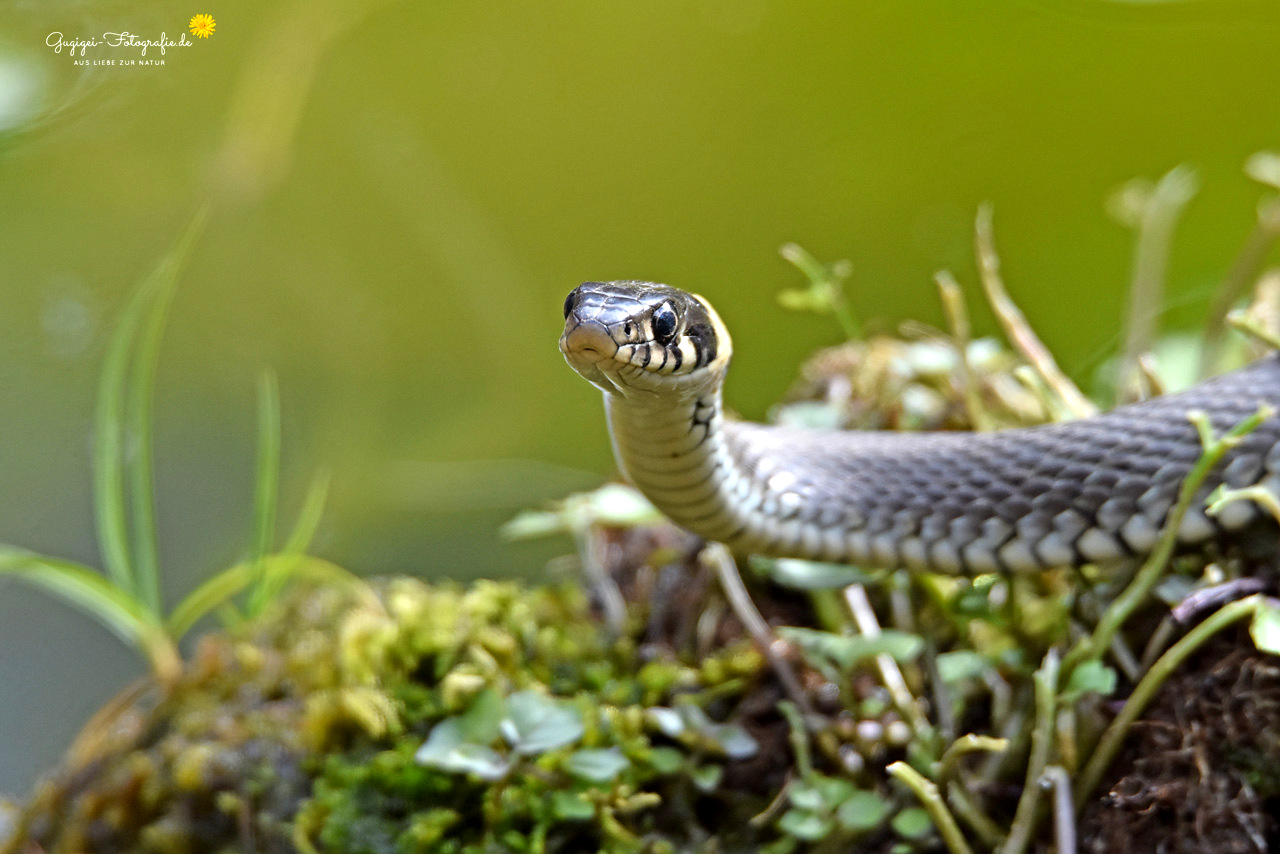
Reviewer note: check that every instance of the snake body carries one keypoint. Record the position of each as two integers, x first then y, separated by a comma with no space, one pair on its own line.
1066,494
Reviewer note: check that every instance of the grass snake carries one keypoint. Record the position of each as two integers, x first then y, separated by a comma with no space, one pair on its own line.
1065,494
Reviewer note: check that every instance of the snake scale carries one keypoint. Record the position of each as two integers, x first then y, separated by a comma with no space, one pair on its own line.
1065,494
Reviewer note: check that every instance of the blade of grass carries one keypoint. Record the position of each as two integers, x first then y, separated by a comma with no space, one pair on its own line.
304,530
267,474
97,596
270,583
109,500
141,394
112,428
266,481
231,581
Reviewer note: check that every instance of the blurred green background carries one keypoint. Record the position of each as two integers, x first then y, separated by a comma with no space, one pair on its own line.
402,193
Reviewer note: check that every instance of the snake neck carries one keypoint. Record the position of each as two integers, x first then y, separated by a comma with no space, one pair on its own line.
681,455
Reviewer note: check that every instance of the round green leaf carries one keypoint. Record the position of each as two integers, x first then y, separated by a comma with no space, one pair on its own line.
596,766
536,723
862,811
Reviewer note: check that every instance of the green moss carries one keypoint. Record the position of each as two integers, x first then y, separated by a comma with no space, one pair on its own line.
303,733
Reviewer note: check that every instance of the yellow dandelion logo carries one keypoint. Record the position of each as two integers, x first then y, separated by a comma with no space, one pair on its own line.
202,26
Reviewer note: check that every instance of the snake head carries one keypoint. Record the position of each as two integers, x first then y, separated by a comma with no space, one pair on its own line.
638,337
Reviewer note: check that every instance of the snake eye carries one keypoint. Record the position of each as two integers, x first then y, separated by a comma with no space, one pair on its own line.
664,323
569,302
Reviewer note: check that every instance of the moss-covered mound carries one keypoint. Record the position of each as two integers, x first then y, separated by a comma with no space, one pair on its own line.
309,734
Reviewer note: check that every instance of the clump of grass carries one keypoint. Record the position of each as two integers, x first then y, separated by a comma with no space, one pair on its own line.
127,596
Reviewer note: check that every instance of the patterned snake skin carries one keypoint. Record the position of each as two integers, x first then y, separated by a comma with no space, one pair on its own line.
1016,500
1059,495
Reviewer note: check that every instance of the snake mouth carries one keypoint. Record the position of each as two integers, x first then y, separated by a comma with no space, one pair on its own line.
587,338
591,351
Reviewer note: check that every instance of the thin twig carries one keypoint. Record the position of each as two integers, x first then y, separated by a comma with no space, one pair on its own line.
1243,322
1064,819
1014,322
602,583
1244,271
958,319
1155,227
864,617
726,570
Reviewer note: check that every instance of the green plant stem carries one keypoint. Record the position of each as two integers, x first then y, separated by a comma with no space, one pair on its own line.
1024,819
798,735
931,799
266,484
1112,739
1145,580
991,834
963,746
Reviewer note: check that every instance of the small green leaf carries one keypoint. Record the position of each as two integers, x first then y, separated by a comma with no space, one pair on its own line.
1174,588
834,789
535,723
847,651
100,598
1090,677
707,777
1265,628
668,721
815,575
913,823
803,795
805,299
448,750
571,806
596,766
862,811
665,760
961,664
531,524
805,825
482,721
734,740
613,504
620,505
